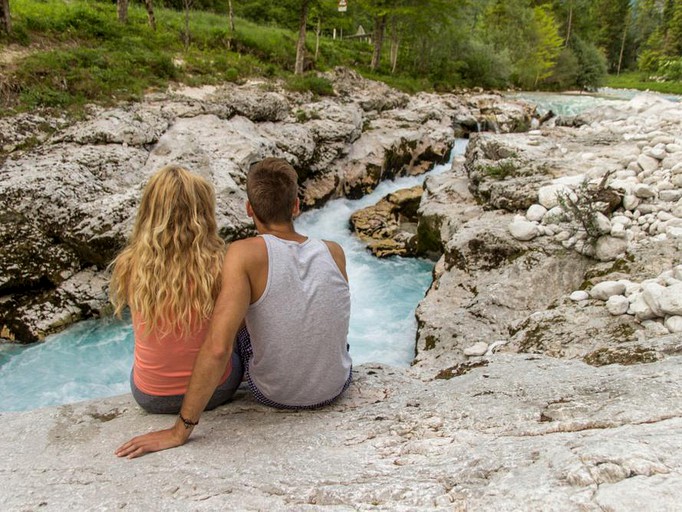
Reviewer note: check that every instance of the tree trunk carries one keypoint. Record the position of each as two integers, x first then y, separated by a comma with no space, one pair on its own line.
622,49
379,28
149,4
300,45
230,9
394,44
570,24
122,10
187,36
318,29
5,19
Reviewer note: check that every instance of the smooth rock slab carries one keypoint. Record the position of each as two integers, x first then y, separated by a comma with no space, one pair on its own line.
529,432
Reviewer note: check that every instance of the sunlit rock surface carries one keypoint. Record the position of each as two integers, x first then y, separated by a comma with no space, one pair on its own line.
511,433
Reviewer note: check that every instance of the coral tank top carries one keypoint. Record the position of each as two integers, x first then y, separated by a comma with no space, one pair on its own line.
162,365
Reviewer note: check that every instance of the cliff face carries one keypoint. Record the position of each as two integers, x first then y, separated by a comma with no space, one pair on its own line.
69,190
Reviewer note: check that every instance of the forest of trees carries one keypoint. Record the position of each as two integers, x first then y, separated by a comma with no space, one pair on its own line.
550,44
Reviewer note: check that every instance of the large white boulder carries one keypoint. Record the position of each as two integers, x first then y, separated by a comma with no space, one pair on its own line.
606,289
670,300
608,248
523,230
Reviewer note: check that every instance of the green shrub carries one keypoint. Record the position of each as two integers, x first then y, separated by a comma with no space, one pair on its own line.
315,84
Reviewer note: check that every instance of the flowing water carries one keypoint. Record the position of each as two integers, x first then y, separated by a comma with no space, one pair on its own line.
93,358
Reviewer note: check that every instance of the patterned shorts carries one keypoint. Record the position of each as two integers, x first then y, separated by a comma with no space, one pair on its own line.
245,352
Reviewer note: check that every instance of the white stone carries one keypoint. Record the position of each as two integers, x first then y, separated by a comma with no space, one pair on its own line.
579,295
659,153
608,248
672,196
630,287
673,323
655,327
647,163
640,308
621,219
618,231
562,236
644,191
617,305
536,212
677,272
477,349
554,215
523,230
673,232
606,289
630,202
670,300
673,148
652,293
603,223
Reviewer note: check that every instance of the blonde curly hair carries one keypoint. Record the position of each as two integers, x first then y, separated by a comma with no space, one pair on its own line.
169,272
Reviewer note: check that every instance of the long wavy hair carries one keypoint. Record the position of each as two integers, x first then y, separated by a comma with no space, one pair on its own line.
169,272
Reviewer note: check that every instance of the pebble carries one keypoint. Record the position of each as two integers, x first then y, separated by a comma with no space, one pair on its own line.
617,305
579,295
476,350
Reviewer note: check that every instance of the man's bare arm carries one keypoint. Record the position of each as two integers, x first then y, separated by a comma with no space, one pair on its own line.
228,314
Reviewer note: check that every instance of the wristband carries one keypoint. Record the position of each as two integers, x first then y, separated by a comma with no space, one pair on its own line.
188,423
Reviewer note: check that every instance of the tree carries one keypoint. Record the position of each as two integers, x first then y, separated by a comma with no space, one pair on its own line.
5,19
122,10
299,67
187,5
230,13
149,5
614,19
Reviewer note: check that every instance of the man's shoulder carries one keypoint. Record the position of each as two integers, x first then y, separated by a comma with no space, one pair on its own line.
247,247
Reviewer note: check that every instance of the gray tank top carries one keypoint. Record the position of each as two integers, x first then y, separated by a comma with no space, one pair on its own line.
299,326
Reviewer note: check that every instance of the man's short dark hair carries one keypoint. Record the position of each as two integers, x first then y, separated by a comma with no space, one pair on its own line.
272,189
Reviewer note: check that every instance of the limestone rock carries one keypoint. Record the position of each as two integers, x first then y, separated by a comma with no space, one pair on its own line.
478,349
670,300
579,295
608,248
499,428
617,305
536,213
607,289
523,230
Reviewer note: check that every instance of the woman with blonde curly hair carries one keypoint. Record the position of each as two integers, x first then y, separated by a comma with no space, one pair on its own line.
169,275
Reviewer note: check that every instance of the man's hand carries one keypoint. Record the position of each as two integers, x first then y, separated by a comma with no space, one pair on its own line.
153,442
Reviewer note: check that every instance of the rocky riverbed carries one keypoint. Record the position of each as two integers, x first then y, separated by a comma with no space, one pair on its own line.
69,189
547,374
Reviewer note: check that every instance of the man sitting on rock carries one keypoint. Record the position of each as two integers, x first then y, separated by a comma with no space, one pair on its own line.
292,293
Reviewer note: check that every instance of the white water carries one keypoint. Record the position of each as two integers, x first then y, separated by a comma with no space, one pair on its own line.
571,104
93,358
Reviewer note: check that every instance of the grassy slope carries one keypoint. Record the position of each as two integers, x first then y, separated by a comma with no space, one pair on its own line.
76,52
635,80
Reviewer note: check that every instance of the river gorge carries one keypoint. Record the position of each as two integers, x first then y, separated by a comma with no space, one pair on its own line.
547,365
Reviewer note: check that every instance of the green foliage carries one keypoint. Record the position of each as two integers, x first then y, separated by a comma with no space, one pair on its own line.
641,82
592,65
566,71
315,84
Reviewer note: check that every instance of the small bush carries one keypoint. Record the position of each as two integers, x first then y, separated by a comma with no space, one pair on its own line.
315,84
